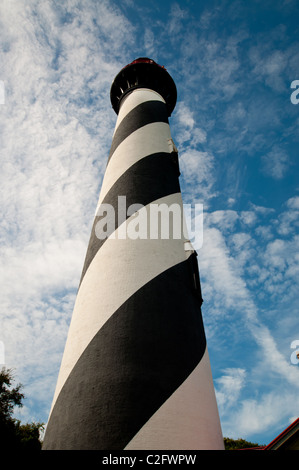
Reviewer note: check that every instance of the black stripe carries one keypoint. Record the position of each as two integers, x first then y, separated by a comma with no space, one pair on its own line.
136,361
141,115
151,178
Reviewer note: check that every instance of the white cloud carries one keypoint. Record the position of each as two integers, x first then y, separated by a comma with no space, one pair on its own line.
265,232
149,42
293,203
282,254
257,416
187,132
224,219
218,270
229,386
226,257
288,221
269,66
276,163
197,175
196,165
184,115
177,14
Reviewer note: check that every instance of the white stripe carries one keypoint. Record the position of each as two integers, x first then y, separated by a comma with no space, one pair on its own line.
188,420
135,98
117,271
149,139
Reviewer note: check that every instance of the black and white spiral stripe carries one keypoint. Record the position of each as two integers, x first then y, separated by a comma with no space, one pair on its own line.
135,373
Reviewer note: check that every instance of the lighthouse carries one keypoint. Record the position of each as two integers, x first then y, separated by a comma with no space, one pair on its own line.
135,373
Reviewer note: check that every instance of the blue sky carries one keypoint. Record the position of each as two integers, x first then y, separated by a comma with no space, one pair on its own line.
236,130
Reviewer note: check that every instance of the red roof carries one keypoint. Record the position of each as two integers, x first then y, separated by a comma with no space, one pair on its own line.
144,60
283,434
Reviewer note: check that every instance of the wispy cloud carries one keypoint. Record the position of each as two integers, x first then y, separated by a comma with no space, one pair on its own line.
229,386
276,163
230,303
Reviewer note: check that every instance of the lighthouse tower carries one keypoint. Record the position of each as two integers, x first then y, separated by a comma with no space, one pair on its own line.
135,372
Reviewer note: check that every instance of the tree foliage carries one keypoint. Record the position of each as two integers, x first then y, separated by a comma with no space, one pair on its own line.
234,444
13,434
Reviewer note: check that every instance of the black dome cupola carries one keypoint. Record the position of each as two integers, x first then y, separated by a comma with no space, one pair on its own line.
143,73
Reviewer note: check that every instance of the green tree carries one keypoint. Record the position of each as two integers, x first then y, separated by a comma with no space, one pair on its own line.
234,444
28,435
13,434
